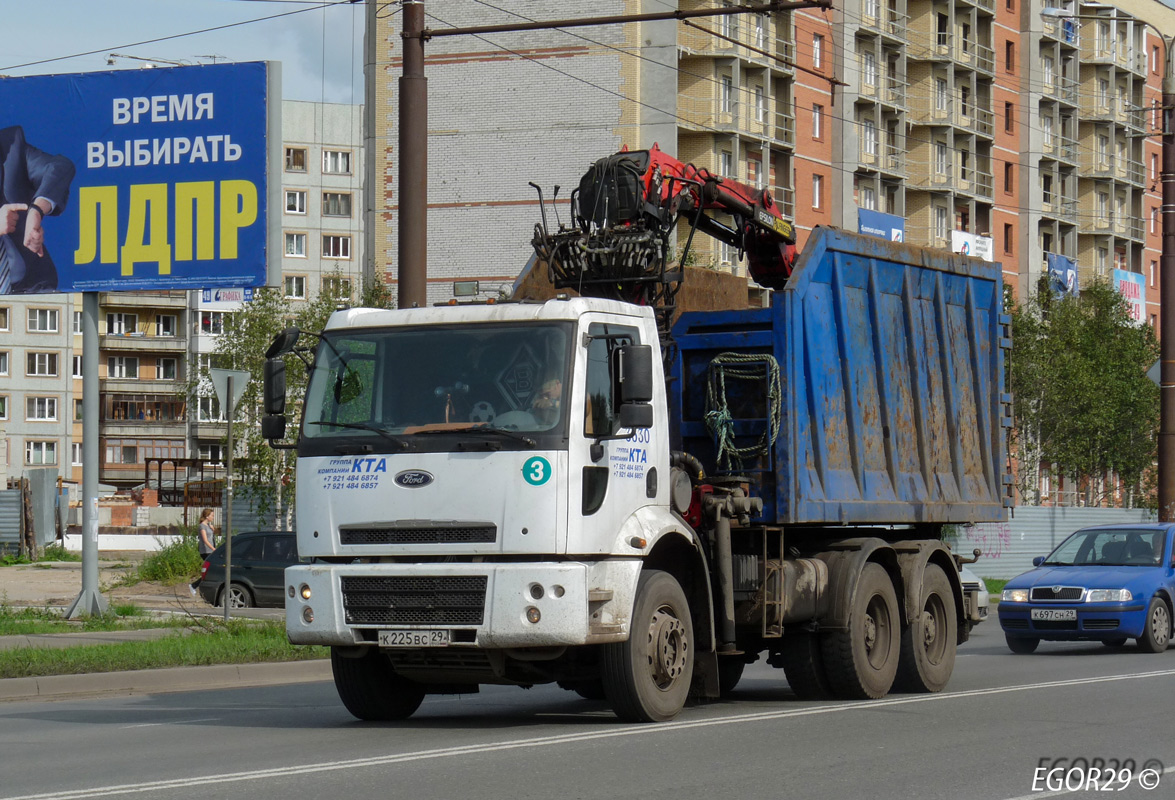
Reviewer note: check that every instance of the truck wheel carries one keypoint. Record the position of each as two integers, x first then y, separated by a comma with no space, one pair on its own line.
862,661
929,641
803,665
647,678
370,688
730,672
1156,635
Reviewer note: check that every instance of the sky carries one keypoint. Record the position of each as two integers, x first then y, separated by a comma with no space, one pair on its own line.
320,45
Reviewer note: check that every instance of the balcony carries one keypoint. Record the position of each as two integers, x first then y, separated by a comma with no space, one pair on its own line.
141,343
1060,207
886,21
706,40
146,299
975,119
785,129
1062,89
894,160
1065,31
924,175
1062,148
930,47
1096,165
143,386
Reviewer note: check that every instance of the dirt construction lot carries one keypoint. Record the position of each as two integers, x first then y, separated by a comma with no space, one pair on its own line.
59,584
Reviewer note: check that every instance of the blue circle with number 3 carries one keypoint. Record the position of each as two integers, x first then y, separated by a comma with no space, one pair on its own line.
536,471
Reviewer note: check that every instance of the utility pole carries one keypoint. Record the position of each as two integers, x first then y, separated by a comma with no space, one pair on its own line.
1167,293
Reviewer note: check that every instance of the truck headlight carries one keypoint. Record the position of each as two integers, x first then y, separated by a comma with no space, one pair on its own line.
1014,596
1108,596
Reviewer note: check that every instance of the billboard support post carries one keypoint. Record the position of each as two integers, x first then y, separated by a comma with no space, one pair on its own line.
90,601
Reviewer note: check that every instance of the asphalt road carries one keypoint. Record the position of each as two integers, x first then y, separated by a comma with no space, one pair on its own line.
1002,718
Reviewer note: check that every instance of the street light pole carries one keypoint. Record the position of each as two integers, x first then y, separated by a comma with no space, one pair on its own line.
1167,293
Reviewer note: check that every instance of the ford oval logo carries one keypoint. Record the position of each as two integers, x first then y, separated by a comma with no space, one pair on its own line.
413,478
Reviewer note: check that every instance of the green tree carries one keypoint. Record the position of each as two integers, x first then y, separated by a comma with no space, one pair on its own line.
1083,402
260,472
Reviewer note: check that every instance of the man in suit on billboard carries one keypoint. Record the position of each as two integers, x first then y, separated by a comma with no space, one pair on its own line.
33,185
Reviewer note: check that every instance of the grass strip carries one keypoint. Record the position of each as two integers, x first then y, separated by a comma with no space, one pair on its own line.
31,621
238,643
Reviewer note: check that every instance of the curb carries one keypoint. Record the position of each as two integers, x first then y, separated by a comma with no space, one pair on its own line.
161,681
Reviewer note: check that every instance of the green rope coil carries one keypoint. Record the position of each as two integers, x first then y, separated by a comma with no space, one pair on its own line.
759,367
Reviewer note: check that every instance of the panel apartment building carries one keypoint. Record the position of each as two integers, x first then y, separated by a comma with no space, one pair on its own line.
151,342
981,116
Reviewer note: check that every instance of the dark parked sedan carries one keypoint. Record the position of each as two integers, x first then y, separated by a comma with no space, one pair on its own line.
1108,584
260,559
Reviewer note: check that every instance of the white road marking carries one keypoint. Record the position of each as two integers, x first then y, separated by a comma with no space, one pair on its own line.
172,722
645,731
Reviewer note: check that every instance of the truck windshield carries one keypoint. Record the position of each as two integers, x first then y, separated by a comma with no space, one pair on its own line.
463,386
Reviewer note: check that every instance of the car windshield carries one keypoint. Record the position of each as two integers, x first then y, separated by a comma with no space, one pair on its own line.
1117,547
395,383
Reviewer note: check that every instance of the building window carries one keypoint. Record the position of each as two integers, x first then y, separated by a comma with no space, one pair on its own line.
296,245
1009,117
1010,55
817,121
119,324
1154,271
1155,59
1046,188
940,223
42,320
869,69
3,363
336,162
213,454
868,198
165,325
817,191
295,159
77,322
43,365
119,453
336,246
75,450
1009,177
1154,220
79,410
212,322
1008,238
40,409
942,98
3,319
1046,131
869,137
3,407
336,286
760,105
817,50
166,369
209,409
295,287
77,366
727,95
336,204
295,202
40,452
942,162
122,367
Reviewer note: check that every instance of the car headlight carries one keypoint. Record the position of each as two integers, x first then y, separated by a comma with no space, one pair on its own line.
1108,596
1014,596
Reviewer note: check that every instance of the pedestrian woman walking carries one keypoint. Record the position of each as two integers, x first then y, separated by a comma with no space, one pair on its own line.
206,542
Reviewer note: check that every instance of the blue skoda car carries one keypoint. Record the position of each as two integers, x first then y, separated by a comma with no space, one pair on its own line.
1107,584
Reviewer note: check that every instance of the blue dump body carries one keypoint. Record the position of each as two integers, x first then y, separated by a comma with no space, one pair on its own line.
888,407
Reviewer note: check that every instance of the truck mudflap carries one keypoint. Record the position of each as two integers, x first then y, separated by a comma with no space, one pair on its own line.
482,605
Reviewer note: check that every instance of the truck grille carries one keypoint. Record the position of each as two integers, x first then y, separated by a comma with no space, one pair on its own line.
424,534
411,600
1058,593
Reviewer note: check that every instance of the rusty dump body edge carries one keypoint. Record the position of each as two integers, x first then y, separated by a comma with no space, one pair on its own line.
891,371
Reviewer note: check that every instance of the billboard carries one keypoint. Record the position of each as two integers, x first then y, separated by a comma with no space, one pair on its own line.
1130,285
876,223
137,179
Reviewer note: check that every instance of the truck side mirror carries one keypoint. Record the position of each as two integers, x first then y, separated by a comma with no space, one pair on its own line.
275,386
634,373
1036,562
636,415
283,343
273,427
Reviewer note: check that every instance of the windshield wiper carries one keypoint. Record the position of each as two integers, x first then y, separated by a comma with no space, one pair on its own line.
482,429
365,426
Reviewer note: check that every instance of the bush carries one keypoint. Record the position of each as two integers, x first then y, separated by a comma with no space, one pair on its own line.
178,561
57,552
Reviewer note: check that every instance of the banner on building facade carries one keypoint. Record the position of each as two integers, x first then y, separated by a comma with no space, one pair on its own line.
137,179
968,244
1062,275
886,226
1131,286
